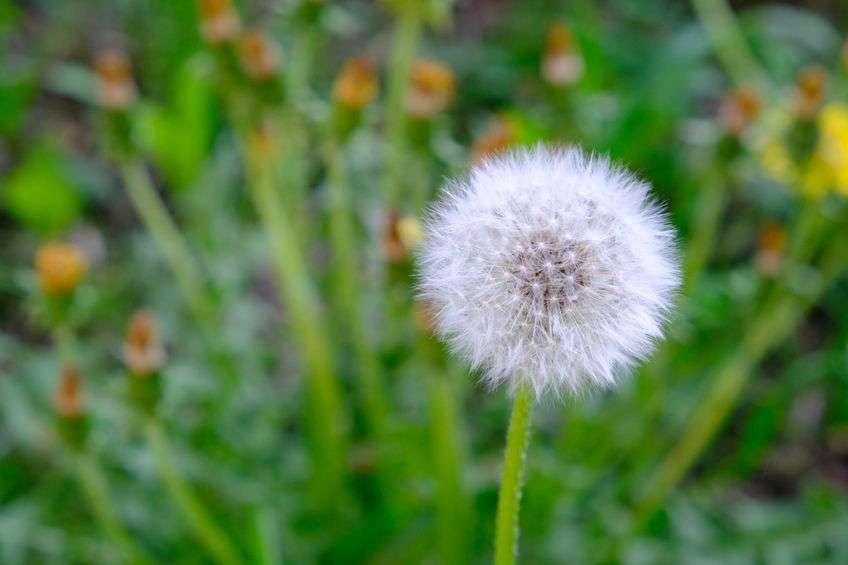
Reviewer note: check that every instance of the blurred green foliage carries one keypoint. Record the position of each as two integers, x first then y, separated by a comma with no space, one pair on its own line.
771,485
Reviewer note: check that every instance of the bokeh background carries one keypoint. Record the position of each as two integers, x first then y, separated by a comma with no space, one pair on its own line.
252,177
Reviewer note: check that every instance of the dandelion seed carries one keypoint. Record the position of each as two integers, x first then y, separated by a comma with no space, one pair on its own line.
578,305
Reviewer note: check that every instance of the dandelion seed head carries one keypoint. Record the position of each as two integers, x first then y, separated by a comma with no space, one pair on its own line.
550,267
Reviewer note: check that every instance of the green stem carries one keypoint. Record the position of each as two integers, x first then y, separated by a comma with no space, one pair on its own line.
453,510
325,412
180,260
347,289
509,497
731,48
167,236
708,208
96,489
778,318
199,520
407,33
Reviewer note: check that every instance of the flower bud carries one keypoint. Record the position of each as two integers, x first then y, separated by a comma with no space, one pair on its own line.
356,85
259,55
498,137
562,64
810,89
739,109
68,399
60,268
219,21
770,247
143,351
116,90
402,235
431,89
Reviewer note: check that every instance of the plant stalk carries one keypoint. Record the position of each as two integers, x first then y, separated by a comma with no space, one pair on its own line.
94,485
512,482
325,410
210,536
406,37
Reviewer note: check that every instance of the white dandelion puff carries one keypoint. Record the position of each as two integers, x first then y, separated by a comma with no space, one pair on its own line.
550,267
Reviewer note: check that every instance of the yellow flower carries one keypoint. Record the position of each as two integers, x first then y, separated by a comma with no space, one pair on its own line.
777,163
832,152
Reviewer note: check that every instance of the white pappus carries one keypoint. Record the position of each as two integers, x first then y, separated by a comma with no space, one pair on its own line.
551,267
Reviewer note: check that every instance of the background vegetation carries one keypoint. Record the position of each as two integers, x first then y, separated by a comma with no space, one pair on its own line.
227,169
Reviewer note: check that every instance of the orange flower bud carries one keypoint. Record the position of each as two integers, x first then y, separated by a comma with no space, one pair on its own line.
115,87
356,85
60,268
810,90
431,89
739,109
260,56
770,249
68,400
562,64
498,137
143,351
219,21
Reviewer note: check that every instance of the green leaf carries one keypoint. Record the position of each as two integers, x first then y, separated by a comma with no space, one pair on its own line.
39,194
177,137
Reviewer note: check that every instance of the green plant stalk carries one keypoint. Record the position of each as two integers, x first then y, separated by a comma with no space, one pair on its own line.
210,536
777,320
452,506
512,482
325,410
346,287
295,155
88,472
169,239
406,37
180,260
731,48
266,526
709,208
94,484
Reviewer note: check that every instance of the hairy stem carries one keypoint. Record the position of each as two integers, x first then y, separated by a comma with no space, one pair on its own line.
512,481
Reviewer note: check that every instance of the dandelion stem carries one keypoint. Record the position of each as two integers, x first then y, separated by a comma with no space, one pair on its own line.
778,318
708,208
452,509
347,289
204,528
325,411
94,485
167,236
179,258
723,31
509,497
407,33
